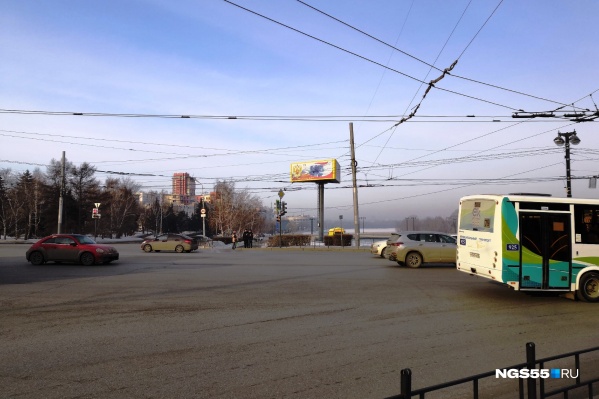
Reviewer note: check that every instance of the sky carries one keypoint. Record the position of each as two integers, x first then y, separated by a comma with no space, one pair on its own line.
269,83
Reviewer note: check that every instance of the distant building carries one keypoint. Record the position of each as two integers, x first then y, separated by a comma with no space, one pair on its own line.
184,185
147,199
183,196
205,197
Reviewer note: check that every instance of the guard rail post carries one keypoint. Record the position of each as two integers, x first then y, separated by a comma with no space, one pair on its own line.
531,364
406,384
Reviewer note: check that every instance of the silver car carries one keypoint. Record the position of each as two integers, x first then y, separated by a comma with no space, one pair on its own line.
413,248
378,248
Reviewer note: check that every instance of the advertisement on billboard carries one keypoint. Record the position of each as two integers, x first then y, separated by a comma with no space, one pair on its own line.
324,170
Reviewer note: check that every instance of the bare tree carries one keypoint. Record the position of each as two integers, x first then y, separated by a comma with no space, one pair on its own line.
4,206
85,189
234,210
16,198
123,205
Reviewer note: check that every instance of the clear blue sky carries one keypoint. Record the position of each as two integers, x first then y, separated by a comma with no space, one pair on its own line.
212,59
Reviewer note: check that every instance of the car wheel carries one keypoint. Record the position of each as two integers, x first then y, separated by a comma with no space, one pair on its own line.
588,289
147,248
87,259
36,258
179,248
383,252
414,260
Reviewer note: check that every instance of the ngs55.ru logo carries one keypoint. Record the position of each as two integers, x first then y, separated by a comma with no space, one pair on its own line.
536,373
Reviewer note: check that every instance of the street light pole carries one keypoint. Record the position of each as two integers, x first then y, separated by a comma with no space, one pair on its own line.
567,139
203,214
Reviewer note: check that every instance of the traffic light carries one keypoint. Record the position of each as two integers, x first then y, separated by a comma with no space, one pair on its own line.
278,205
283,208
278,218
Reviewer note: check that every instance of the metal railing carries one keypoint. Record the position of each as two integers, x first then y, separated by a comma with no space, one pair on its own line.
535,387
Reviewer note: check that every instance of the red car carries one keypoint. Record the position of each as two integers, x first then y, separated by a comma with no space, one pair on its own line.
70,248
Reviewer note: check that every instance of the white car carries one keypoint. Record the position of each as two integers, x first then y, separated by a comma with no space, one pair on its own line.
378,248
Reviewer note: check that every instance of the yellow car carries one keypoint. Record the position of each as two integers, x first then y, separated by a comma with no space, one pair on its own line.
336,230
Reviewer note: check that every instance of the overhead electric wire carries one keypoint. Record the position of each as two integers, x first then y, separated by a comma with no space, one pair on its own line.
302,118
430,84
480,29
269,151
363,57
431,65
294,118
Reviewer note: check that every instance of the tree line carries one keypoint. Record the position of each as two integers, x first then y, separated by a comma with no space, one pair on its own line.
29,203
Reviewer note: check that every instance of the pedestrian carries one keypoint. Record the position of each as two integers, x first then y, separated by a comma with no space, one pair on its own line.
245,238
234,239
251,238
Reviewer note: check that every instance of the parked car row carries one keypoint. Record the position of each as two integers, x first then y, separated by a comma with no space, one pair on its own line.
414,248
79,248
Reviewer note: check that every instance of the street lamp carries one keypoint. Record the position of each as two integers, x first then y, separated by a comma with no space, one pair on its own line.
567,139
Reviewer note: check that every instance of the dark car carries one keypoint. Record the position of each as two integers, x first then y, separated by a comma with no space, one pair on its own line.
76,248
170,242
203,241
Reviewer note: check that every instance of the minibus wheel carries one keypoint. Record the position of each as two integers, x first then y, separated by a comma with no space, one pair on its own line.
588,290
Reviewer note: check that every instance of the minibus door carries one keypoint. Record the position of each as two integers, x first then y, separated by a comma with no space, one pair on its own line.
545,250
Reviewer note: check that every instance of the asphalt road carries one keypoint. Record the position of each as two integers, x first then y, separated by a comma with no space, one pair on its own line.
255,323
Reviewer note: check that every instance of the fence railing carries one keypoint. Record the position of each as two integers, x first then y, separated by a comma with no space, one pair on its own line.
533,387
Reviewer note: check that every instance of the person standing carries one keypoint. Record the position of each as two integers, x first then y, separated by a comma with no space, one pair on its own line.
245,238
234,239
251,238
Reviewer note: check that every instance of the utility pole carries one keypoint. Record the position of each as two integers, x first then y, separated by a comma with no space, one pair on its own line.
355,185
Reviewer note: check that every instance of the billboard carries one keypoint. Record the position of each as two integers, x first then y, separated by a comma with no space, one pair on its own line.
324,170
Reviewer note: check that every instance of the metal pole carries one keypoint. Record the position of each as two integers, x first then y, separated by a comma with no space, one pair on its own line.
280,231
204,213
568,176
406,383
531,364
320,211
567,139
355,185
203,220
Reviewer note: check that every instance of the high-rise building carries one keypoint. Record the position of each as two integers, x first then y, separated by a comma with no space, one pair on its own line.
184,186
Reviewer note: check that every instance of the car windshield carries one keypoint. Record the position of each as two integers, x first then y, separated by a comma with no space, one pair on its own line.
85,240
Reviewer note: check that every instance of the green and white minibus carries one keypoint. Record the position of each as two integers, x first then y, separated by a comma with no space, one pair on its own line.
531,242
